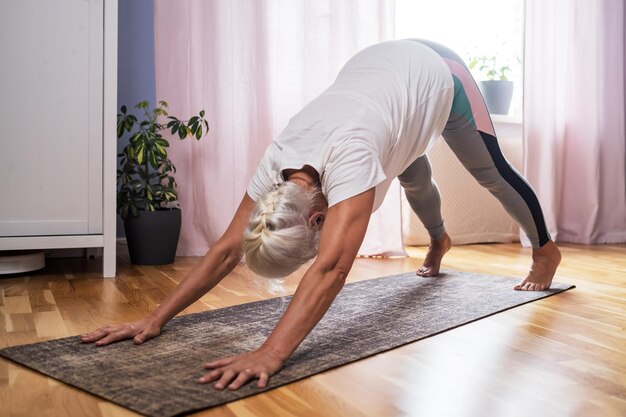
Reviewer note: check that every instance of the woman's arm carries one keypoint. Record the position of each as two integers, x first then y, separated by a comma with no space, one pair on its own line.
214,266
343,233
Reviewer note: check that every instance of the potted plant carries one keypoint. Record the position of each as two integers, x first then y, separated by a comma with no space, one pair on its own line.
496,88
147,199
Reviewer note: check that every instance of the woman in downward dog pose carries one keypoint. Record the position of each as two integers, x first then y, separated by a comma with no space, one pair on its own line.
320,180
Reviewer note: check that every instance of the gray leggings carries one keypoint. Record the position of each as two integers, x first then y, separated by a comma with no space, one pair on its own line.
470,134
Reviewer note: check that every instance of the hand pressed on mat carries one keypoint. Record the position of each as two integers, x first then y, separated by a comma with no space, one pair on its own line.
235,371
139,331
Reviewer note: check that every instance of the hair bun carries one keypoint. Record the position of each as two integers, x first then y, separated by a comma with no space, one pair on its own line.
278,238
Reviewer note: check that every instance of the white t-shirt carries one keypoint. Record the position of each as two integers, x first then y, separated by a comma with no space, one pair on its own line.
387,107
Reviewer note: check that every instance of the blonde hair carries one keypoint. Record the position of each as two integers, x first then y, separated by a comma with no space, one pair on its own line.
278,238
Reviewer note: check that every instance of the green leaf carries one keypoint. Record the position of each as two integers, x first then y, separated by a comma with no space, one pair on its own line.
182,131
142,105
153,160
160,150
199,133
162,142
134,138
128,124
163,103
120,129
140,153
201,113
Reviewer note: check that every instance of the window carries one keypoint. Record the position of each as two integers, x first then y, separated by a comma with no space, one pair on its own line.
472,29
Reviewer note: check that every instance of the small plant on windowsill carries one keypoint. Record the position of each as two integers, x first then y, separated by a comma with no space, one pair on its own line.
147,199
495,86
487,66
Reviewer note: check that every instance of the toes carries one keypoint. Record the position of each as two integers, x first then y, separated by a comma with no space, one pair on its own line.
531,286
534,286
424,272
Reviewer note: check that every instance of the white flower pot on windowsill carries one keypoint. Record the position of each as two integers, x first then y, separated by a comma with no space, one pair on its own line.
497,94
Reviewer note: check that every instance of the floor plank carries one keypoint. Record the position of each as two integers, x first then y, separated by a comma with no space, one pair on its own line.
561,356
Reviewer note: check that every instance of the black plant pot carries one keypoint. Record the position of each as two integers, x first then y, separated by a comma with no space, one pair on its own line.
152,236
497,94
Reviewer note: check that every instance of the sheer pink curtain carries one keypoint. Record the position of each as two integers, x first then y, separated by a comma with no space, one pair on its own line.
251,65
574,117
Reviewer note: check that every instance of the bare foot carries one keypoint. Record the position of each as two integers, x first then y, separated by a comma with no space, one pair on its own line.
545,261
432,262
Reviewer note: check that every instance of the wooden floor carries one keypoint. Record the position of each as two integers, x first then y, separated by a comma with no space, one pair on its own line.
561,356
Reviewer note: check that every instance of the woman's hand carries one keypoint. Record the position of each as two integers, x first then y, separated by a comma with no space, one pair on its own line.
139,331
236,371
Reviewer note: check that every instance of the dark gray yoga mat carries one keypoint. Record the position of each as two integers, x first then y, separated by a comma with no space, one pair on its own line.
159,377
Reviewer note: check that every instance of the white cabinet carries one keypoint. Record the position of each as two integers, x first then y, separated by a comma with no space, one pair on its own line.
57,116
